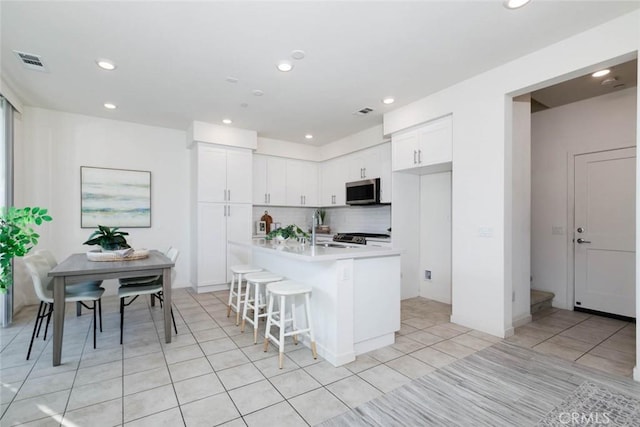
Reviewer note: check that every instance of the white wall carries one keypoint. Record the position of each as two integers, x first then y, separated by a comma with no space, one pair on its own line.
405,221
521,210
56,144
481,204
292,150
435,236
558,134
358,141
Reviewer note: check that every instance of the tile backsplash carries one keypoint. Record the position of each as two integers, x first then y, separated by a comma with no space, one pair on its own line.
362,219
285,216
365,219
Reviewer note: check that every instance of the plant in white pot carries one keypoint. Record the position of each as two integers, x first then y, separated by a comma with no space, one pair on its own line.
109,239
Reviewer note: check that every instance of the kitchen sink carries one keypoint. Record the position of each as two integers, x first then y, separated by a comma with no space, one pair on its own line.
335,245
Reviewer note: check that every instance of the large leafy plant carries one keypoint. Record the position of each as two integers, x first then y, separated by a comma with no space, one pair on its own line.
108,238
289,232
17,237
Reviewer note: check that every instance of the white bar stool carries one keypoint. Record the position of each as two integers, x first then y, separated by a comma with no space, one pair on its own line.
236,287
284,289
254,280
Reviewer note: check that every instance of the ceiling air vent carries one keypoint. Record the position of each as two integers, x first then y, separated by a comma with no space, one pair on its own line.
31,61
363,112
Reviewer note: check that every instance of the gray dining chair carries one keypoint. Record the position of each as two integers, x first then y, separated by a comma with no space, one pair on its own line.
38,267
153,288
75,287
146,280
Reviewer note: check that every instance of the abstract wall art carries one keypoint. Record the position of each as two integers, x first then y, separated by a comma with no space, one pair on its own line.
115,197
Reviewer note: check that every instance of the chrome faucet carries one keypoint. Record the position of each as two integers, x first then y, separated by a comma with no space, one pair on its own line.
314,221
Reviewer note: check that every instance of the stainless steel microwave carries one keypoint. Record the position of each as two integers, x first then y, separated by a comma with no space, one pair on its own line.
366,192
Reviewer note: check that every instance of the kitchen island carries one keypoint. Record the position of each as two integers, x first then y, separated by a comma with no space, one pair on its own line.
355,302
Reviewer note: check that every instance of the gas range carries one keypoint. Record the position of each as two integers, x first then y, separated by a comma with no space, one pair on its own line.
358,238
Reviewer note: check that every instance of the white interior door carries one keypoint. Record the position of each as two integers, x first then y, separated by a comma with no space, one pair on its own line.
604,235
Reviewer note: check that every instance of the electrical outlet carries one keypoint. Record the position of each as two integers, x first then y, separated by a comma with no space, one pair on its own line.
427,274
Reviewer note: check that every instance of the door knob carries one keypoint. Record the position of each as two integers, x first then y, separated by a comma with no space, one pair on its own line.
581,241
580,230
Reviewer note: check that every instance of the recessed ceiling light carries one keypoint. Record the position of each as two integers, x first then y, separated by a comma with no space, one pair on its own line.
601,73
227,121
257,92
105,64
515,4
297,54
308,136
388,100
110,106
285,66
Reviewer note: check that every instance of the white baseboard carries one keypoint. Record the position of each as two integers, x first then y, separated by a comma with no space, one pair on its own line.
521,321
636,373
211,288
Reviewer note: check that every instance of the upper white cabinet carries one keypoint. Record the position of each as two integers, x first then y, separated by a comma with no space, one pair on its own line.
333,175
426,145
269,180
374,162
302,183
365,164
384,172
223,175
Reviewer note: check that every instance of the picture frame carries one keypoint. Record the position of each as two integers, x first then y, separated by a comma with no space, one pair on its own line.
261,228
115,197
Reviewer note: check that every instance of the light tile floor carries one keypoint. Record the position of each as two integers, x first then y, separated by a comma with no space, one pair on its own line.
211,374
598,342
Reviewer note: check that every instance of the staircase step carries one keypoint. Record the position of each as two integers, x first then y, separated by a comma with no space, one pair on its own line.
540,300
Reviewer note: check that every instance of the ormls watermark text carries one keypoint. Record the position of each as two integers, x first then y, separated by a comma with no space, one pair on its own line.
584,419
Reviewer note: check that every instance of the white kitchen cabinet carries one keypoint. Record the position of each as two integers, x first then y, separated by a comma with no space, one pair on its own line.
333,176
221,211
384,171
223,175
364,164
374,162
427,145
302,183
216,224
269,180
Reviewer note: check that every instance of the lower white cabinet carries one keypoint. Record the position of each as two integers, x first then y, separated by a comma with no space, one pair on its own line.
217,223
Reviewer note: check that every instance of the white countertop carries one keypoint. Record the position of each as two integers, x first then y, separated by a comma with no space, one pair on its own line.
319,253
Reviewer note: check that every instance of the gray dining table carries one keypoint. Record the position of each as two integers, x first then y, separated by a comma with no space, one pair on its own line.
77,268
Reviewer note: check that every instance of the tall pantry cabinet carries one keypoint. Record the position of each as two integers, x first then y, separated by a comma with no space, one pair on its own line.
222,209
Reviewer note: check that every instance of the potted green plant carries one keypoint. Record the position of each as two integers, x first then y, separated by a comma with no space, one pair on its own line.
291,231
109,239
321,213
17,237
